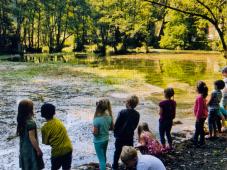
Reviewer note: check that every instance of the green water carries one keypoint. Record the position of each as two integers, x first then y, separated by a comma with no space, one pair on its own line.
161,71
180,71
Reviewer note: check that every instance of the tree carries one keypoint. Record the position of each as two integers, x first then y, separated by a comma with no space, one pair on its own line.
176,32
56,24
183,32
7,34
81,24
212,11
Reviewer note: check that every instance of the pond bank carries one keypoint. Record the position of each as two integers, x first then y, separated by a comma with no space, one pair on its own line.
211,156
186,156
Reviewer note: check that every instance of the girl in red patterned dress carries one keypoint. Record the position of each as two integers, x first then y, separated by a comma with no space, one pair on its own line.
148,143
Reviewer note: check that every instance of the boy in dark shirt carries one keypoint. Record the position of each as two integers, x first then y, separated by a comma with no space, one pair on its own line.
124,127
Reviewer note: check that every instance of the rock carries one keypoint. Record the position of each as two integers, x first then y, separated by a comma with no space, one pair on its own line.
177,122
95,166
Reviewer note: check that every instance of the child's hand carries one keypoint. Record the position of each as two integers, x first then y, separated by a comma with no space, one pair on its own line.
95,130
39,153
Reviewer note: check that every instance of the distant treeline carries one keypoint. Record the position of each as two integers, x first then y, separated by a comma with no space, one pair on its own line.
34,25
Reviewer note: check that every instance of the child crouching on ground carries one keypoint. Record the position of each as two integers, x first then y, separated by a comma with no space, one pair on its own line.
55,135
201,112
147,142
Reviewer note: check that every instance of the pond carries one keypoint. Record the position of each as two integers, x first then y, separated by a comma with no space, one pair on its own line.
179,70
75,83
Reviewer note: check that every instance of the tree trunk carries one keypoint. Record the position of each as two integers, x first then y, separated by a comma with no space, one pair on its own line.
32,33
222,38
38,34
104,40
58,36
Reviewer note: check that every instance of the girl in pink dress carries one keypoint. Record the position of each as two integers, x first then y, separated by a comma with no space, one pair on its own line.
147,142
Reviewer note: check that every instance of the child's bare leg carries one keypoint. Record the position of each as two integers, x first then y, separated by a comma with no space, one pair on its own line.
210,133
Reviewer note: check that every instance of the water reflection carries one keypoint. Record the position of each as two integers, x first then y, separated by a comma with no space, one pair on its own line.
160,71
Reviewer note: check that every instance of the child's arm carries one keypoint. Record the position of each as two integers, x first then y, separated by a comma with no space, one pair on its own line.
34,142
119,121
160,111
45,139
209,100
221,113
95,131
112,125
199,110
142,140
174,111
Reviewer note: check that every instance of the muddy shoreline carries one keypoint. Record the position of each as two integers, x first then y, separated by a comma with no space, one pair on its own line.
187,156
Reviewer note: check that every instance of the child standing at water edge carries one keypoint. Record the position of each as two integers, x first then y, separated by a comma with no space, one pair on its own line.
102,123
30,153
213,107
55,135
200,111
125,125
167,114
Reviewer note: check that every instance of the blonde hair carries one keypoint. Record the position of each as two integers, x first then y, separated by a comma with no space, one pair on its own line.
128,153
133,101
109,108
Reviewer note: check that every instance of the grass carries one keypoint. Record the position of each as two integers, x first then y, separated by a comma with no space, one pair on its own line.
31,70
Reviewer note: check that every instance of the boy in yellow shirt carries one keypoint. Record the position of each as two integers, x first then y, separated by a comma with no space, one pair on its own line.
54,134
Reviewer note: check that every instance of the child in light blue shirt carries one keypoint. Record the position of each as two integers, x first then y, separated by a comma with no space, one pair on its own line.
102,123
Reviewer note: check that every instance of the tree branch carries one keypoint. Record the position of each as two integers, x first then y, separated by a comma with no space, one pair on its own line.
185,12
209,10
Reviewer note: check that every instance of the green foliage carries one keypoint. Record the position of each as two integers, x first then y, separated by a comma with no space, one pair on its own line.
184,32
31,25
213,11
176,32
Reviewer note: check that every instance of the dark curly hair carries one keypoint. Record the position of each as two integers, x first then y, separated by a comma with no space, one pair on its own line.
200,86
169,92
220,84
47,111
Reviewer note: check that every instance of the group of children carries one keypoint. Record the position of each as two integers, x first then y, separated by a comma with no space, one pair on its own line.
124,127
214,109
55,134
